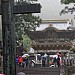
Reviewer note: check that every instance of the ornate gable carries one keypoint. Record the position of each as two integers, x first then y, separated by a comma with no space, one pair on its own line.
50,29
50,32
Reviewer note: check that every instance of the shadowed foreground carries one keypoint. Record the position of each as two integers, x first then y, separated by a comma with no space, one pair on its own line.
39,71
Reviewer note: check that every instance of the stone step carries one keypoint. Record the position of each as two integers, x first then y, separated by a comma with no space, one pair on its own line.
39,71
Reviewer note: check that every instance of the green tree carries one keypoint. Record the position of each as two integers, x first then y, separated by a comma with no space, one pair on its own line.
67,1
72,49
67,9
25,22
26,42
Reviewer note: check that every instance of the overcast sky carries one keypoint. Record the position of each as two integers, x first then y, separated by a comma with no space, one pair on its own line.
51,9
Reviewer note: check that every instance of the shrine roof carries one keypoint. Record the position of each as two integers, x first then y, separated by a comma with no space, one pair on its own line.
51,32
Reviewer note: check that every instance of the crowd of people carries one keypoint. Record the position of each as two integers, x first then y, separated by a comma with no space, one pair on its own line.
53,62
56,61
24,61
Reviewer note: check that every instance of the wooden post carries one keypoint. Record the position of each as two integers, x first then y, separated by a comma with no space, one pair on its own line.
8,33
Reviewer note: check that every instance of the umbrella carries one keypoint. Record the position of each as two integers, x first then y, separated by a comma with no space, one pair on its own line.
20,73
39,54
45,55
58,54
25,55
55,56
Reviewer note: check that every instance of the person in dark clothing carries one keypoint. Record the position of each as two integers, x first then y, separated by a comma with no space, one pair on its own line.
17,59
24,64
43,62
27,62
58,61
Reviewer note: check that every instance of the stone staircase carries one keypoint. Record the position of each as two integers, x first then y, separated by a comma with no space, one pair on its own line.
39,71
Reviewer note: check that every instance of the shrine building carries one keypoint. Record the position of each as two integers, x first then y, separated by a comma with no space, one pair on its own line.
52,39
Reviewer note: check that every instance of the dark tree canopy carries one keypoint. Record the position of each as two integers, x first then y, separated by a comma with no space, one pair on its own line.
67,1
25,23
67,9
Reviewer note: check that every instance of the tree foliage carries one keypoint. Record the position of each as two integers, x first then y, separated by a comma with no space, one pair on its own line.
67,1
25,22
67,9
26,42
72,49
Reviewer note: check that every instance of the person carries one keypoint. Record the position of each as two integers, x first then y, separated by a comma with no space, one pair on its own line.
54,61
58,61
20,60
20,73
27,62
23,63
43,62
17,59
50,62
